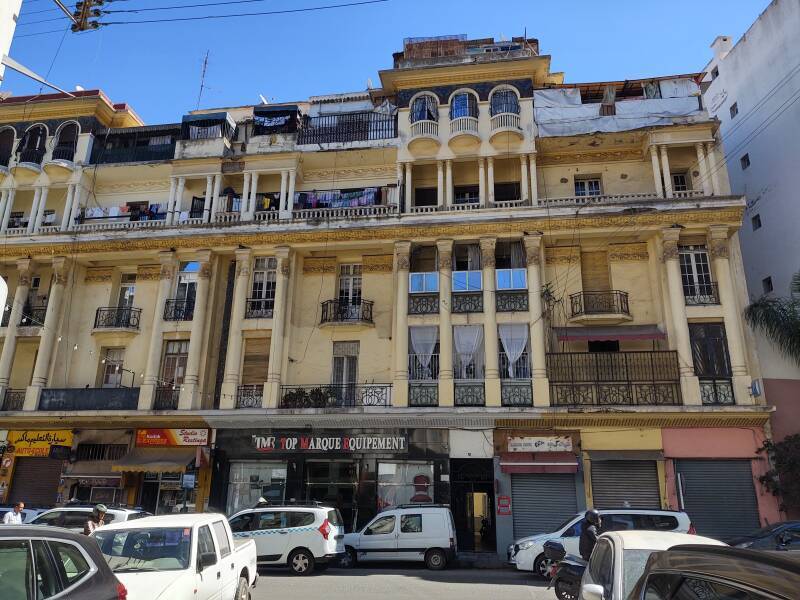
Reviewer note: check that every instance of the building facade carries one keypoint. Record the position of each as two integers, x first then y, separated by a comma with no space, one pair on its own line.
476,285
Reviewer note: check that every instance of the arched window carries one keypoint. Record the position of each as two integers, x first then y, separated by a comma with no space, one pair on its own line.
31,147
66,142
6,145
424,108
463,104
504,101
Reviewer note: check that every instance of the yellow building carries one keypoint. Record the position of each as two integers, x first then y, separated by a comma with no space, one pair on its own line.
477,285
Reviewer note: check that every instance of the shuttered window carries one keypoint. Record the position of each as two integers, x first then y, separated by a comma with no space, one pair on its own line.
256,361
625,484
595,276
541,502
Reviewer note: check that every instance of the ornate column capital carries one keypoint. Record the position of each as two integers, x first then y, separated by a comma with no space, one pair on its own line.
402,253
167,260
243,258
25,268
533,248
282,255
487,251
669,237
60,270
444,249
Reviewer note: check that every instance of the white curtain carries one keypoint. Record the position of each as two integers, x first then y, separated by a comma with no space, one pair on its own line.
517,255
469,348
423,342
514,338
474,257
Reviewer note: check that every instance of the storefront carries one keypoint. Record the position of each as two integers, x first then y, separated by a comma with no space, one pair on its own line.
32,466
358,471
89,476
169,469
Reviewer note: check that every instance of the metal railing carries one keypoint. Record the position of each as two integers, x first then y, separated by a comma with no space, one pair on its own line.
599,303
417,371
515,392
423,304
250,395
647,378
166,397
349,127
336,395
469,392
259,308
118,398
134,154
63,153
701,294
600,199
33,315
467,302
345,311
14,400
117,317
520,370
31,156
716,391
511,300
178,310
423,393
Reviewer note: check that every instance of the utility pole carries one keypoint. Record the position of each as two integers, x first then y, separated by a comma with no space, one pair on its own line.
85,10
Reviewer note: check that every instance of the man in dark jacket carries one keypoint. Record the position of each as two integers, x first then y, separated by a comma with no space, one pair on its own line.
589,533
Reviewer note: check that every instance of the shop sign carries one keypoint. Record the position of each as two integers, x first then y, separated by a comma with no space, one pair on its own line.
330,443
38,443
504,506
110,482
561,443
172,437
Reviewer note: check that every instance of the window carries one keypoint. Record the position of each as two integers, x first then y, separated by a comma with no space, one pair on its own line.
504,101
222,538
242,523
468,355
734,109
423,283
510,273
16,565
300,519
205,543
345,370
381,526
127,290
174,367
755,221
350,288
425,197
187,282
710,350
666,586
766,285
54,518
466,194
603,345
467,268
411,524
695,274
679,182
507,191
589,186
714,73
424,108
745,161
617,523
47,581
575,530
112,367
263,286
100,451
655,522
601,566
404,483
70,561
270,520
248,481
463,104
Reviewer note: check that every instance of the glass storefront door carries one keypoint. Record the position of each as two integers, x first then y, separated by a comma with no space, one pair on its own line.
334,483
252,480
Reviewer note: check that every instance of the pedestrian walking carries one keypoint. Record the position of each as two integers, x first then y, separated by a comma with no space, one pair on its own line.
14,516
97,519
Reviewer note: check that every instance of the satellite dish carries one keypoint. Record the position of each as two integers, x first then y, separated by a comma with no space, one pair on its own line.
263,100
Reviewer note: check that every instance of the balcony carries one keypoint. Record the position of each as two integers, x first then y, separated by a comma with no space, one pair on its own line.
423,137
117,317
716,391
250,395
335,395
423,304
178,310
423,393
701,294
63,153
346,311
600,199
259,308
156,152
347,128
516,392
464,134
120,398
33,315
511,300
467,302
649,378
469,392
14,400
166,397
505,129
34,157
607,307
324,205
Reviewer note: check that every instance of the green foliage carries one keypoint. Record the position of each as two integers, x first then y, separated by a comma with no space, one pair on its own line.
784,478
779,320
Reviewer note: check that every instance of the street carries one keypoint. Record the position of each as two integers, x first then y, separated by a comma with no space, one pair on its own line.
402,583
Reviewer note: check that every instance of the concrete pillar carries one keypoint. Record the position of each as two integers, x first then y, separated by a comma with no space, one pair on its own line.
253,194
446,391
656,171
713,168
24,266
490,181
409,187
667,174
690,385
534,180
402,257
47,335
3,203
9,206
40,210
703,167
176,208
190,395
290,190
244,206
538,348
448,185
207,200
523,178
233,358
490,341
37,194
283,203
147,392
215,201
482,181
400,200
718,250
76,205
173,190
272,388
440,191
68,206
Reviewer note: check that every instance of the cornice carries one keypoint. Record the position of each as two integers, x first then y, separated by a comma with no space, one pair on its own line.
328,175
377,263
319,265
562,255
628,252
98,274
561,158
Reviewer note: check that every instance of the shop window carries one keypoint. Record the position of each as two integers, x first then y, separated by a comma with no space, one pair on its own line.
588,186
247,482
381,526
404,483
411,524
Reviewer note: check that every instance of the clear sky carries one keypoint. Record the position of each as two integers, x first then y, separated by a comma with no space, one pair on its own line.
156,67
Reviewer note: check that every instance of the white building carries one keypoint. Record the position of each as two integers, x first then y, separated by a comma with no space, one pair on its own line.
753,88
9,14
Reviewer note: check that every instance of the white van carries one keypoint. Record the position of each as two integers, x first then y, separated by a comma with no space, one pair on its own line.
419,532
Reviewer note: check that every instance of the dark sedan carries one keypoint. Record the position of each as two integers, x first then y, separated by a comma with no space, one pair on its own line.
37,563
779,536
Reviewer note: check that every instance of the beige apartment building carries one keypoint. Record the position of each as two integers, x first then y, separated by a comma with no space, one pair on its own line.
476,284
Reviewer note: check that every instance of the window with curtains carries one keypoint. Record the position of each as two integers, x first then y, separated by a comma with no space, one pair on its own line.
463,104
423,358
468,356
514,355
504,101
345,365
424,108
510,268
263,284
710,350
467,268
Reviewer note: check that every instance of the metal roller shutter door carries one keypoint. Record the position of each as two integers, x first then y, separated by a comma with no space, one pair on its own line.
719,496
541,502
625,484
35,481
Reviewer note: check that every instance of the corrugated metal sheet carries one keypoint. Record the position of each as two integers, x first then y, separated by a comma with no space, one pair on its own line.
625,484
540,503
35,481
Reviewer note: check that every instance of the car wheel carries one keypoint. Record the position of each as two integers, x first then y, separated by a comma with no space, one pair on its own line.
242,590
301,562
566,591
541,566
348,561
435,559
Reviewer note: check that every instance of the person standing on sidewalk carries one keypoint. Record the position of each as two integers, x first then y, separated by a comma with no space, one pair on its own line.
14,516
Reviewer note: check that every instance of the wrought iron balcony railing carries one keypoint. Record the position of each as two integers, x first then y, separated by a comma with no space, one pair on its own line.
33,315
336,395
716,391
423,304
470,392
511,300
119,398
14,400
701,294
423,393
349,127
178,310
166,397
250,395
31,156
346,311
423,367
111,317
516,392
259,308
599,303
467,302
64,153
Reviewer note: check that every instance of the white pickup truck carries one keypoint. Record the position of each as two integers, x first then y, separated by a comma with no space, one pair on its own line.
179,557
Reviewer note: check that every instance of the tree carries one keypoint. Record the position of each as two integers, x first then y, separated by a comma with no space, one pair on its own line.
784,478
779,319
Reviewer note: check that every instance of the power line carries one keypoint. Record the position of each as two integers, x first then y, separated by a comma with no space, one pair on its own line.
138,10
42,21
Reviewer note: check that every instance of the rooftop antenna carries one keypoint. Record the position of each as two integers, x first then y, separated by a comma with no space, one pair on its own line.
263,100
369,83
202,79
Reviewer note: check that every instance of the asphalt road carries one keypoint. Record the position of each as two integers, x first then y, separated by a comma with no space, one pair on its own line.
402,583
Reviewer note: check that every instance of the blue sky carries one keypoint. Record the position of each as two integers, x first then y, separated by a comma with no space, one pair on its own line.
156,67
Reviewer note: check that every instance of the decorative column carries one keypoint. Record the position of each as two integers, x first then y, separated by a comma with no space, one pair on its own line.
176,209
272,388
490,181
215,200
446,390
400,197
713,168
656,171
207,200
233,358
534,180
448,190
718,250
9,206
67,206
701,163
523,178
244,204
290,191
147,392
490,323
440,184
541,384
667,174
402,258
251,201
482,181
24,266
3,203
47,335
40,210
173,189
283,203
409,187
76,205
190,395
37,194
690,385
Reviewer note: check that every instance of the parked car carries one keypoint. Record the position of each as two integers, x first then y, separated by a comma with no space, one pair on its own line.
418,532
779,536
28,513
302,537
527,554
67,565
75,517
179,557
710,572
619,557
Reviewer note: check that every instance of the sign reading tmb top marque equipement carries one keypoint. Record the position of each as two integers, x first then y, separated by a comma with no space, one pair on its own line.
330,443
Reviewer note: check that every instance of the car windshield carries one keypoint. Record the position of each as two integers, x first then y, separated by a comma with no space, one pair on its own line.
155,549
633,563
564,524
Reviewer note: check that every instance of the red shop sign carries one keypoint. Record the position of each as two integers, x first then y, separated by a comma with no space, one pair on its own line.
504,505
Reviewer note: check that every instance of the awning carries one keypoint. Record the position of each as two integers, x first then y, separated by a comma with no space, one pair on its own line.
620,332
538,462
156,460
271,109
214,116
166,128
